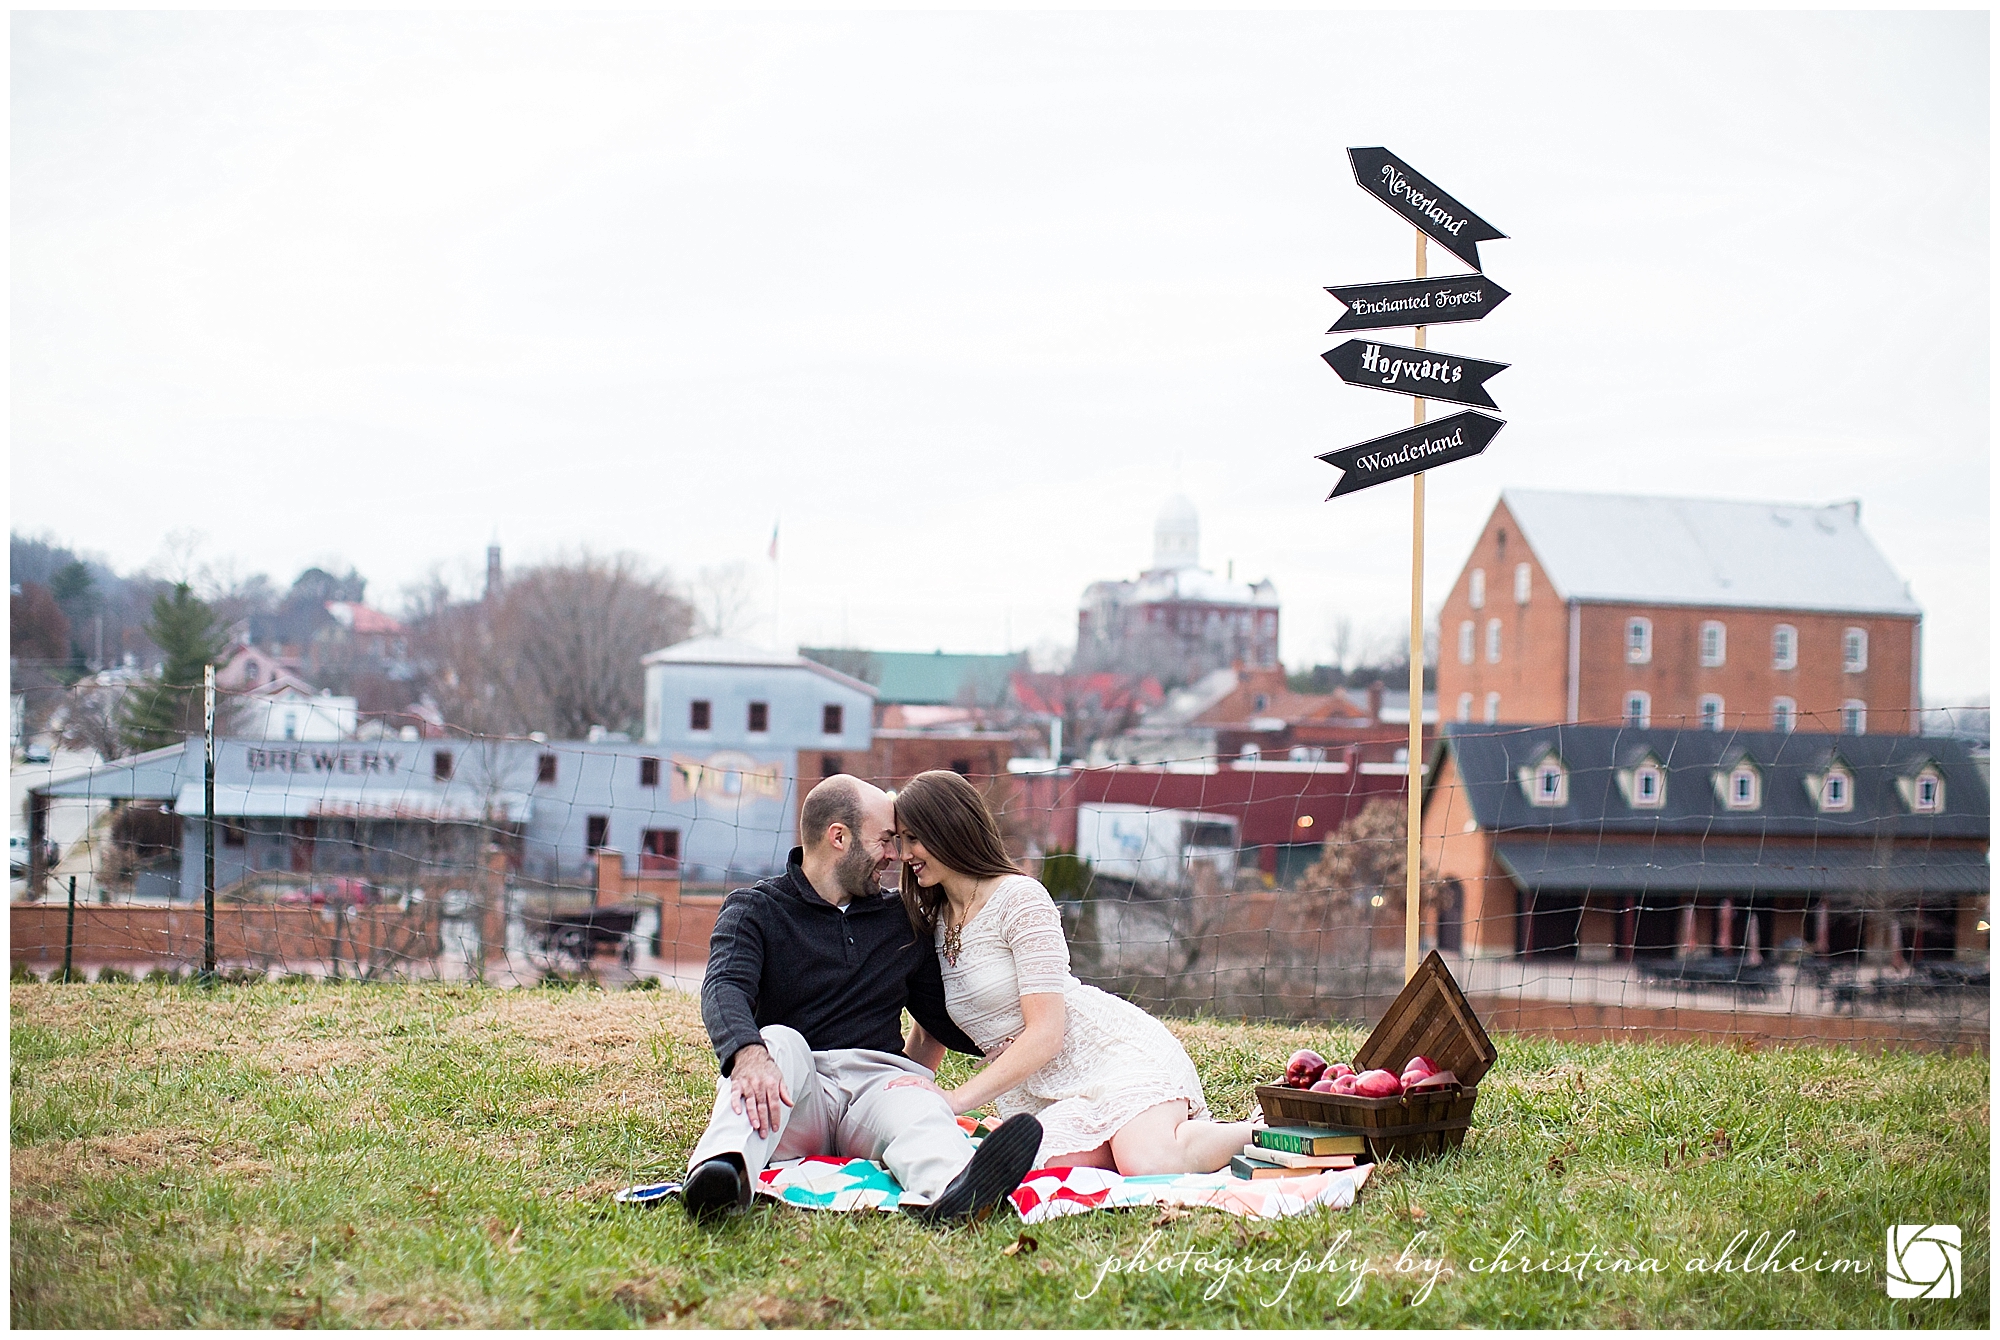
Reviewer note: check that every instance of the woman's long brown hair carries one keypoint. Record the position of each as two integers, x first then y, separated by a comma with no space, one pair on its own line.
947,814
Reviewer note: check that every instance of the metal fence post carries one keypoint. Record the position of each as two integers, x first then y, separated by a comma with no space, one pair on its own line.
69,931
208,823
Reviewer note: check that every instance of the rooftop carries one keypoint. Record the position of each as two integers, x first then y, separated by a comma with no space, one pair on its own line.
1705,551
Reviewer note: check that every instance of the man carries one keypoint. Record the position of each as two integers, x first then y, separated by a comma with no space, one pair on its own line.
808,976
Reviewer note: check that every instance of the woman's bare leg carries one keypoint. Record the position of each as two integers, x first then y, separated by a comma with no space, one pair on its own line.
1099,1157
1163,1139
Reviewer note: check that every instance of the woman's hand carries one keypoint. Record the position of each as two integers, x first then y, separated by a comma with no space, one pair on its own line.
1043,1016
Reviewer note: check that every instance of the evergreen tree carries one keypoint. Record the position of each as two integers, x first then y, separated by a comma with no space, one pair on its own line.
163,711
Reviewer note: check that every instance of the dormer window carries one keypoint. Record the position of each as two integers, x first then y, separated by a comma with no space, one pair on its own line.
1741,786
1478,592
1644,784
1923,791
1833,790
1546,782
1638,641
1714,643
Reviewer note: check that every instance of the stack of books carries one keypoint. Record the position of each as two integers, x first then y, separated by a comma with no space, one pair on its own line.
1297,1151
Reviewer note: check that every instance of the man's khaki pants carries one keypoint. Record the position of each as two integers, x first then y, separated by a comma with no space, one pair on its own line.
841,1106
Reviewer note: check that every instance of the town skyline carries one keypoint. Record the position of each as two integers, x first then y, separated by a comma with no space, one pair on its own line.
657,283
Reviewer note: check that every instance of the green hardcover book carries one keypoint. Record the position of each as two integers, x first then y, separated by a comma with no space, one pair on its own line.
1257,1170
1310,1140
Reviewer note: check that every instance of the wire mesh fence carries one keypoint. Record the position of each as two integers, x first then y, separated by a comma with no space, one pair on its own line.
1586,880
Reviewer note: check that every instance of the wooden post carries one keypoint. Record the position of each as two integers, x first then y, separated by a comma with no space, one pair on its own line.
1414,855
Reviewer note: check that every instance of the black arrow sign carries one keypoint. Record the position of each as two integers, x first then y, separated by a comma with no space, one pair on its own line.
1424,447
1412,195
1416,302
1417,372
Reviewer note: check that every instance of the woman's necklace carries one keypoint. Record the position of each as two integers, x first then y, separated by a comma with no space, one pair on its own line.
954,936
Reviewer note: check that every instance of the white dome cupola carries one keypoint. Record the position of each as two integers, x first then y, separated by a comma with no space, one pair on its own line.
1176,535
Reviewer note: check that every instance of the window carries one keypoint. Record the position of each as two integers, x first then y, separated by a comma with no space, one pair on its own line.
1834,793
649,772
1784,647
1854,650
1714,643
1465,707
250,672
1638,641
1784,715
1478,588
1742,787
1493,642
1465,643
595,828
1524,581
830,719
659,851
441,766
760,718
698,714
545,770
1711,711
1550,785
1638,709
829,765
291,725
1492,708
1923,793
1854,717
1649,787
1249,753
1261,703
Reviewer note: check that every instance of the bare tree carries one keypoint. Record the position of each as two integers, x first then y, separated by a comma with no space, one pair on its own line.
725,600
557,651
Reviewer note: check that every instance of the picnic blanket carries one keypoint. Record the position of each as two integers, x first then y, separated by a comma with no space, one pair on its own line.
826,1183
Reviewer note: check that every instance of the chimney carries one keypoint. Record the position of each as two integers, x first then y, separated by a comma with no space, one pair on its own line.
492,571
1375,700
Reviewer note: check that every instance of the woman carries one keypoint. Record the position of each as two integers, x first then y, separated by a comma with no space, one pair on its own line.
1110,1085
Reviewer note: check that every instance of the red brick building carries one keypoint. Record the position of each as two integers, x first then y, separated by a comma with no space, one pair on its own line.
1679,612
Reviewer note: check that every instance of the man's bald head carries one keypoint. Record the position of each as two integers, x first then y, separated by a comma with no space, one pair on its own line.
839,799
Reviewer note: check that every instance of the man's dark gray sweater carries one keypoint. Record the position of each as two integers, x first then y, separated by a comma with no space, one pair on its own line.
781,954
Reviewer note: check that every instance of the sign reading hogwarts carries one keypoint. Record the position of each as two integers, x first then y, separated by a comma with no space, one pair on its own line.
1414,372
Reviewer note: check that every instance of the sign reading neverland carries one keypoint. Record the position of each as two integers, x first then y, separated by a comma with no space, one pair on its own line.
1397,455
1427,209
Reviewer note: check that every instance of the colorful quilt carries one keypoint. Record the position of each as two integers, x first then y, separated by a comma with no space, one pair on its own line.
823,1183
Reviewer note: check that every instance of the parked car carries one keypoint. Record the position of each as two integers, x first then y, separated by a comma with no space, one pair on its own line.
17,855
38,752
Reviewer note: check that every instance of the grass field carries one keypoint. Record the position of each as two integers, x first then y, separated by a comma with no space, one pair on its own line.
320,1155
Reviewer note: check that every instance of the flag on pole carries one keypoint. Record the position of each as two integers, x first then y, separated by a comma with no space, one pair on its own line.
774,541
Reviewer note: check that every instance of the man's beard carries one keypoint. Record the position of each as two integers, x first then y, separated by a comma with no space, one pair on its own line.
855,873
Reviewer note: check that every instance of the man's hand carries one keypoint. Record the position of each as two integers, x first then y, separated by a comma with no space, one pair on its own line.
756,1088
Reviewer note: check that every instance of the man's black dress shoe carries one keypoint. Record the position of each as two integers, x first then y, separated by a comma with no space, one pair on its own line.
715,1188
998,1165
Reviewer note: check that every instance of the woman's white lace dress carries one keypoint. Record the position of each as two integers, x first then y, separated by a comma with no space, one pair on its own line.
1116,1060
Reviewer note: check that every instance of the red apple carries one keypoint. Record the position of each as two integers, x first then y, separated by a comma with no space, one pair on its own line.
1305,1068
1377,1084
1324,1086
1344,1083
1420,1064
1339,1068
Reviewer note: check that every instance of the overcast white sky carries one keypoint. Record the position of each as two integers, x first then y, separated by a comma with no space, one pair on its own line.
961,298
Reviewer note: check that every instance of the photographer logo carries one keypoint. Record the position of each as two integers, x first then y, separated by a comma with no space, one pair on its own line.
1923,1261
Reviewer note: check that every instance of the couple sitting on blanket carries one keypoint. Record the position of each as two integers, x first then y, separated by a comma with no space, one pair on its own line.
808,976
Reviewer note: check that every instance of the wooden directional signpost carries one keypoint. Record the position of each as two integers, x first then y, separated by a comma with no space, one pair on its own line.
1425,375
